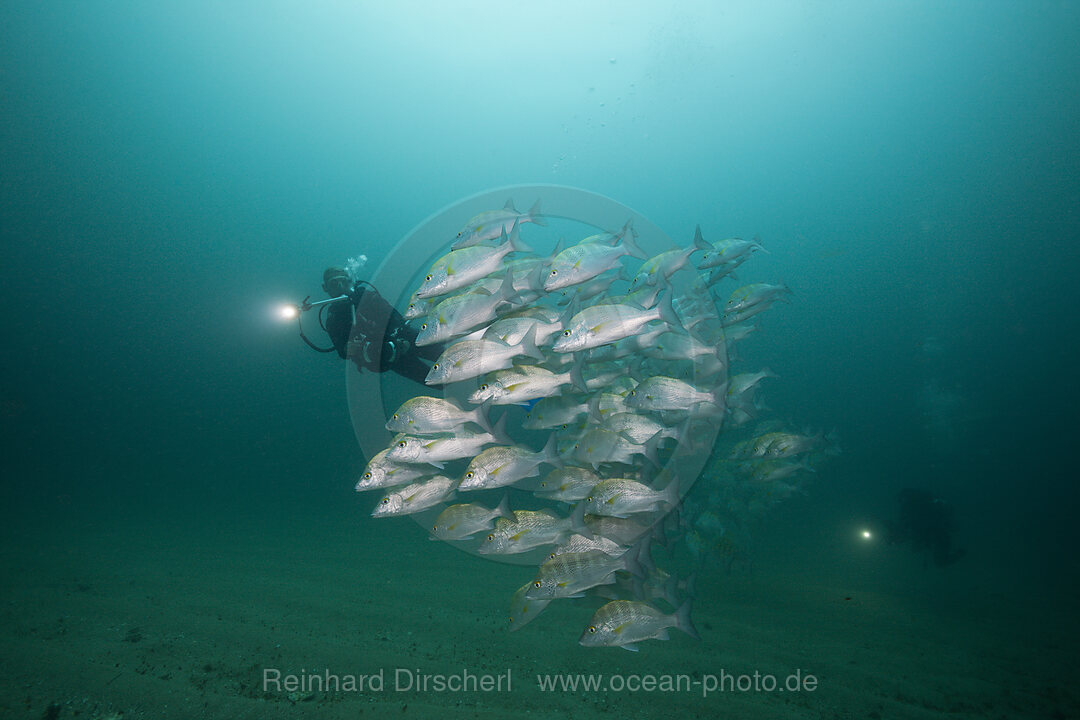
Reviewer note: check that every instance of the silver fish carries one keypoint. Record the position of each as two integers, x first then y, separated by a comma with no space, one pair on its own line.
723,252
598,446
500,466
556,411
491,224
523,610
460,268
568,484
524,383
467,359
638,429
583,543
602,324
425,415
622,497
458,522
415,497
384,472
623,623
460,314
748,297
571,574
437,450
589,258
530,529
511,330
660,392
661,267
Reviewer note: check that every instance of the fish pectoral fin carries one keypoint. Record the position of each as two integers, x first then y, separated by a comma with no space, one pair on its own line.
620,628
518,536
630,646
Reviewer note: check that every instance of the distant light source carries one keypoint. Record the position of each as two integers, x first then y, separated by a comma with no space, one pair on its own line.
288,312
867,535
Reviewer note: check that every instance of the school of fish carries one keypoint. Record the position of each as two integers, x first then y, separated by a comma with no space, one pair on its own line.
583,415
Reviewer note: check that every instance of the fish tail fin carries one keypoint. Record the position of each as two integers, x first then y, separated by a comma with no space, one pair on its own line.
503,508
516,245
550,452
534,214
482,416
499,431
506,291
667,312
651,448
683,621
528,345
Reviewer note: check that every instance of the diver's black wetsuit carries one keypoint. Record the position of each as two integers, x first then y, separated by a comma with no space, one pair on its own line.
371,333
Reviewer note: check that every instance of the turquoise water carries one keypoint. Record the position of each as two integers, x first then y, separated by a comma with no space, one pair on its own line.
178,467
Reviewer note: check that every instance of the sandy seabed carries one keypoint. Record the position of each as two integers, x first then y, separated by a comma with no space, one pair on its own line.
184,614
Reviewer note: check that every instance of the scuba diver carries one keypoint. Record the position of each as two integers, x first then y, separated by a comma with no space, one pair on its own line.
365,328
927,523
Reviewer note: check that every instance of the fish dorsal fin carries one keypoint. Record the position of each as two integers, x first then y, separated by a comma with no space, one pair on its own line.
510,206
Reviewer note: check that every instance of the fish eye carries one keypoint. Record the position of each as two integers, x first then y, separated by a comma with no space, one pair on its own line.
427,279
470,474
424,326
434,528
435,366
395,416
401,444
367,476
491,538
484,386
592,628
537,583
566,333
552,556
386,501
588,499
554,273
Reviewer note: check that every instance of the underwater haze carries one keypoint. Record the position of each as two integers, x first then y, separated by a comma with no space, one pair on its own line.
179,514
